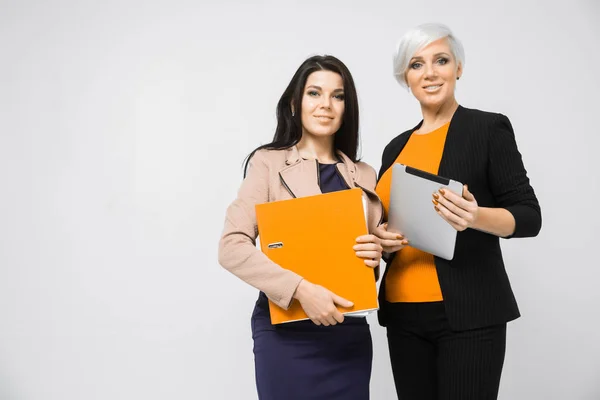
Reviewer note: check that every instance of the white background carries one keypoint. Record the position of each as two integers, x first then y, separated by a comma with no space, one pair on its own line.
123,125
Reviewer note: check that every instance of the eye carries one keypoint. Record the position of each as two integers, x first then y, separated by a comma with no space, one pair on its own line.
339,96
442,61
313,93
415,65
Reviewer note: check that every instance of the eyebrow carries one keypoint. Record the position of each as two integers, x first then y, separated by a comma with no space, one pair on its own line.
435,55
320,88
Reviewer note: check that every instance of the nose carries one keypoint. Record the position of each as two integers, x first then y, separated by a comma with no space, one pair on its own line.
430,71
326,101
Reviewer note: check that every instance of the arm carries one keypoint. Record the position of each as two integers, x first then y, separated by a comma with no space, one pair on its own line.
518,212
509,182
497,221
237,247
239,255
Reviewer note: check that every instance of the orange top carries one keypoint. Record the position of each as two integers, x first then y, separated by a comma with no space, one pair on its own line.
412,276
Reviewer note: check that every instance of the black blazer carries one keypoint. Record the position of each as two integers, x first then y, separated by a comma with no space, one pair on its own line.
480,151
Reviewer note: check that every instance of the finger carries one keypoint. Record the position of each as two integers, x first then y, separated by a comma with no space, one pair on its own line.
369,254
462,213
372,263
395,231
341,301
467,195
338,316
394,249
457,223
367,239
383,234
451,196
332,321
391,243
391,236
327,320
316,321
367,247
382,227
447,194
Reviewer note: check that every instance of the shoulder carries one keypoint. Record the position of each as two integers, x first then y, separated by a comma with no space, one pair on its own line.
272,158
366,171
482,116
397,141
476,122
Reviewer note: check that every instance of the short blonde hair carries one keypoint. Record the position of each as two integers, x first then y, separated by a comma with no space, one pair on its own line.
418,38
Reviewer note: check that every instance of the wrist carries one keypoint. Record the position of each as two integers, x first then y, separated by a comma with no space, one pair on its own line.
300,289
475,223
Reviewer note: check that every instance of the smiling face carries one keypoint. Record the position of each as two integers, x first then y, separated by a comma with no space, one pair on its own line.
432,74
322,104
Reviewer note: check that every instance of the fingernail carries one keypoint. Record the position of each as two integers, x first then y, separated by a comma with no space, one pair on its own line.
354,247
436,196
467,187
435,202
405,242
399,237
436,209
442,191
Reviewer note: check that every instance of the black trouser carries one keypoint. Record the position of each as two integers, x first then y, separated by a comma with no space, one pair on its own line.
432,362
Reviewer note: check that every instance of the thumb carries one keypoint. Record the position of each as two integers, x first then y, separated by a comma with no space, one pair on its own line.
341,301
467,195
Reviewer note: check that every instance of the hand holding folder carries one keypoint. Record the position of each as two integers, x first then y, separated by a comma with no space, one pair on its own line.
314,237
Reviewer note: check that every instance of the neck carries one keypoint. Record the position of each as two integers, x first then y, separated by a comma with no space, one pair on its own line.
438,115
319,148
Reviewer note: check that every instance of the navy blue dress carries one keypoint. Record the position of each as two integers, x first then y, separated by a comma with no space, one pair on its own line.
302,361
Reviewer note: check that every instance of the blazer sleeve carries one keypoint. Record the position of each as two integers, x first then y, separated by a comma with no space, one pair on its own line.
237,248
509,182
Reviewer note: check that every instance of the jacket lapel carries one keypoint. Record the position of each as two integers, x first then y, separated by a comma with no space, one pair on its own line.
300,177
397,146
347,169
454,145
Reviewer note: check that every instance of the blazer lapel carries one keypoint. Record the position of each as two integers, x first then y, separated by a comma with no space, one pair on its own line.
454,145
300,177
347,169
394,152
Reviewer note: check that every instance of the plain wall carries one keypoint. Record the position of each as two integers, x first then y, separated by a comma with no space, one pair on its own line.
123,125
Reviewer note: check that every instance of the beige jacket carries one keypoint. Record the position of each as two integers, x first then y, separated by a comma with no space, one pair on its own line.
279,175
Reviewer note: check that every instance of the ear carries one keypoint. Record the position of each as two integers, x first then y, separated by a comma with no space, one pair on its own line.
459,71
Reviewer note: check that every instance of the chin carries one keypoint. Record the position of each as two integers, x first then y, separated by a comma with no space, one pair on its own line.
435,101
322,132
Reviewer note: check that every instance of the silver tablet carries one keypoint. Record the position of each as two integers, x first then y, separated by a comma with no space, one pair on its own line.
411,210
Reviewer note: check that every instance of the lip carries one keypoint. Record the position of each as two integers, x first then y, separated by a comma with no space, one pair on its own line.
439,86
322,116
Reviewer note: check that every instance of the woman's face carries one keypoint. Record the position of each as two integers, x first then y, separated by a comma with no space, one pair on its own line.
432,74
322,104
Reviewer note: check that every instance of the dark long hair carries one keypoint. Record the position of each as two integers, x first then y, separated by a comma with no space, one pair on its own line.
289,127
